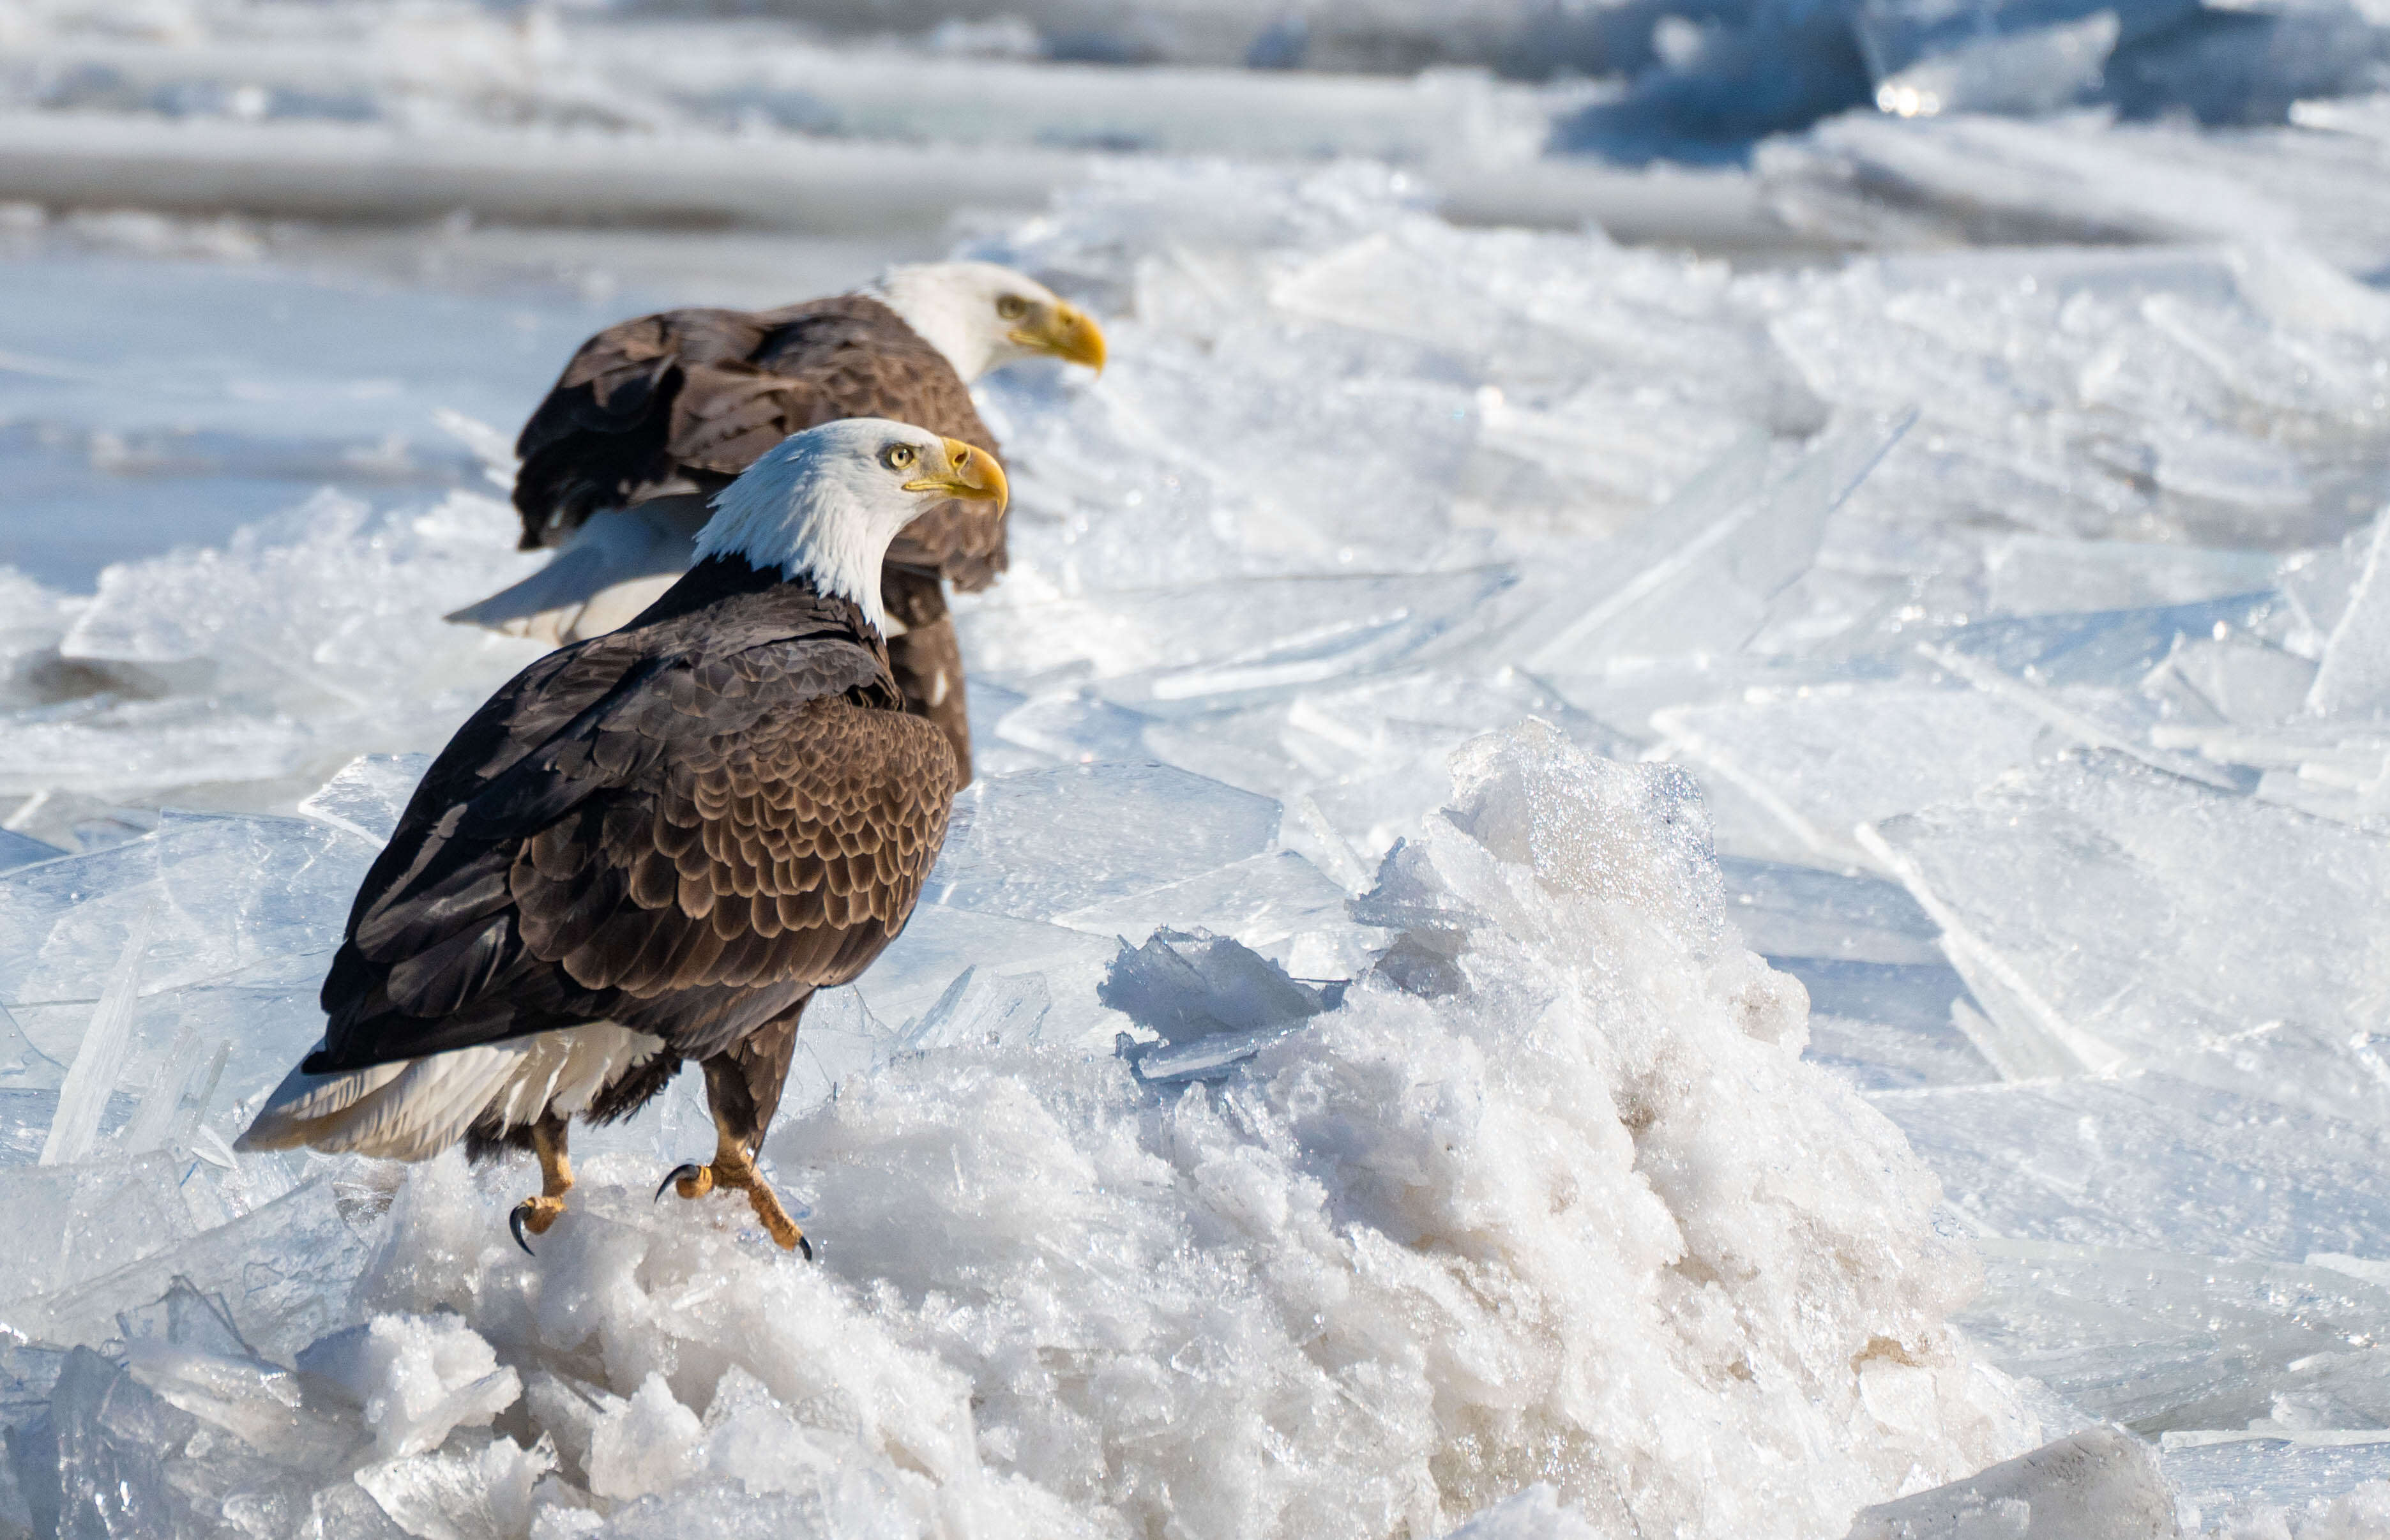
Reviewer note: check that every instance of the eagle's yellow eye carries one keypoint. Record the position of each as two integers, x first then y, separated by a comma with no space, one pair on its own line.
896,456
1012,307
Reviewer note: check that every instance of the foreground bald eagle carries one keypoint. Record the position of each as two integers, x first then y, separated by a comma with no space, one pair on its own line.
655,415
653,846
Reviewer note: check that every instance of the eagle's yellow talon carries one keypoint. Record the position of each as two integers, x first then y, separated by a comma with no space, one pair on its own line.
731,1170
536,1215
776,1220
688,1178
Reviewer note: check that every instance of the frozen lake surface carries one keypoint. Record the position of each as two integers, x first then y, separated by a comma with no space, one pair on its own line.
1735,887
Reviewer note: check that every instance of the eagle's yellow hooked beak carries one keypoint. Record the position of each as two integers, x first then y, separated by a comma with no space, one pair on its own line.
1064,330
968,473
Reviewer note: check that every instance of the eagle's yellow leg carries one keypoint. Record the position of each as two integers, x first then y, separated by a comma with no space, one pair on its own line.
734,1167
536,1215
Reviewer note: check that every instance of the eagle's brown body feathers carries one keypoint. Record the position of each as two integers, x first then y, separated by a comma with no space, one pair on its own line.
684,827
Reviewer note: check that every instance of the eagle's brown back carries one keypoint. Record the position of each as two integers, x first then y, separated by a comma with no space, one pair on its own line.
687,399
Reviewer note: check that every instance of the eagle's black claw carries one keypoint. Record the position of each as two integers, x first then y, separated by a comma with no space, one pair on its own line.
688,1169
515,1222
806,1247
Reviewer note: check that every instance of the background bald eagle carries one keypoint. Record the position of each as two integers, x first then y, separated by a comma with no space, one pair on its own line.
653,845
654,415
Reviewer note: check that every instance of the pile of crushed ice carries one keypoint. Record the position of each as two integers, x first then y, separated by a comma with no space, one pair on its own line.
1236,1138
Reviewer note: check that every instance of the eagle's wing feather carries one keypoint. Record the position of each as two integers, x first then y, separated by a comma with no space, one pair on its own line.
738,869
727,415
602,433
634,834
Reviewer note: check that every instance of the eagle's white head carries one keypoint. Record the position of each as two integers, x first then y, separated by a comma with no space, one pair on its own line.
825,503
981,316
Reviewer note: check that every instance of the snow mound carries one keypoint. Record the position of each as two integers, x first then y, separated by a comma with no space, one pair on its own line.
1586,1220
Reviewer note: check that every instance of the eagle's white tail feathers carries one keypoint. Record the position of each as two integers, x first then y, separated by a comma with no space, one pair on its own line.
413,1109
615,565
565,1070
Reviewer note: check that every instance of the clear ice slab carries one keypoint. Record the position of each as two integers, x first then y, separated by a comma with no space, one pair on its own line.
2100,1484
2149,1163
1212,1000
368,794
2354,678
1044,842
1825,759
2105,912
2164,1340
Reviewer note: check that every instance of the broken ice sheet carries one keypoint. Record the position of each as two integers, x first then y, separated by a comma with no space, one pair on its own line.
2226,1478
95,1218
62,820
978,1009
2161,1341
2106,395
1250,638
284,1271
234,891
2354,678
1875,1054
1541,314
1790,911
368,795
2153,1163
1074,725
1886,1025
1266,902
99,1454
2028,574
1043,842
23,850
100,1058
305,639
466,1493
1882,995
186,1437
1700,575
2105,908
2028,72
1824,759
2111,647
1212,1000
219,1381
2241,681
940,945
23,1066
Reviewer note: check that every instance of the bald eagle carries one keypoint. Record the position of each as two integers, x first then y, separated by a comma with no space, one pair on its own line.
653,845
654,415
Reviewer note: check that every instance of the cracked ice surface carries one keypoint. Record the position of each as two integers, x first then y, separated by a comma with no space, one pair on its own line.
2015,620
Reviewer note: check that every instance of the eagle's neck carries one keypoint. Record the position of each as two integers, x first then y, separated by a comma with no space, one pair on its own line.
719,579
943,316
807,523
